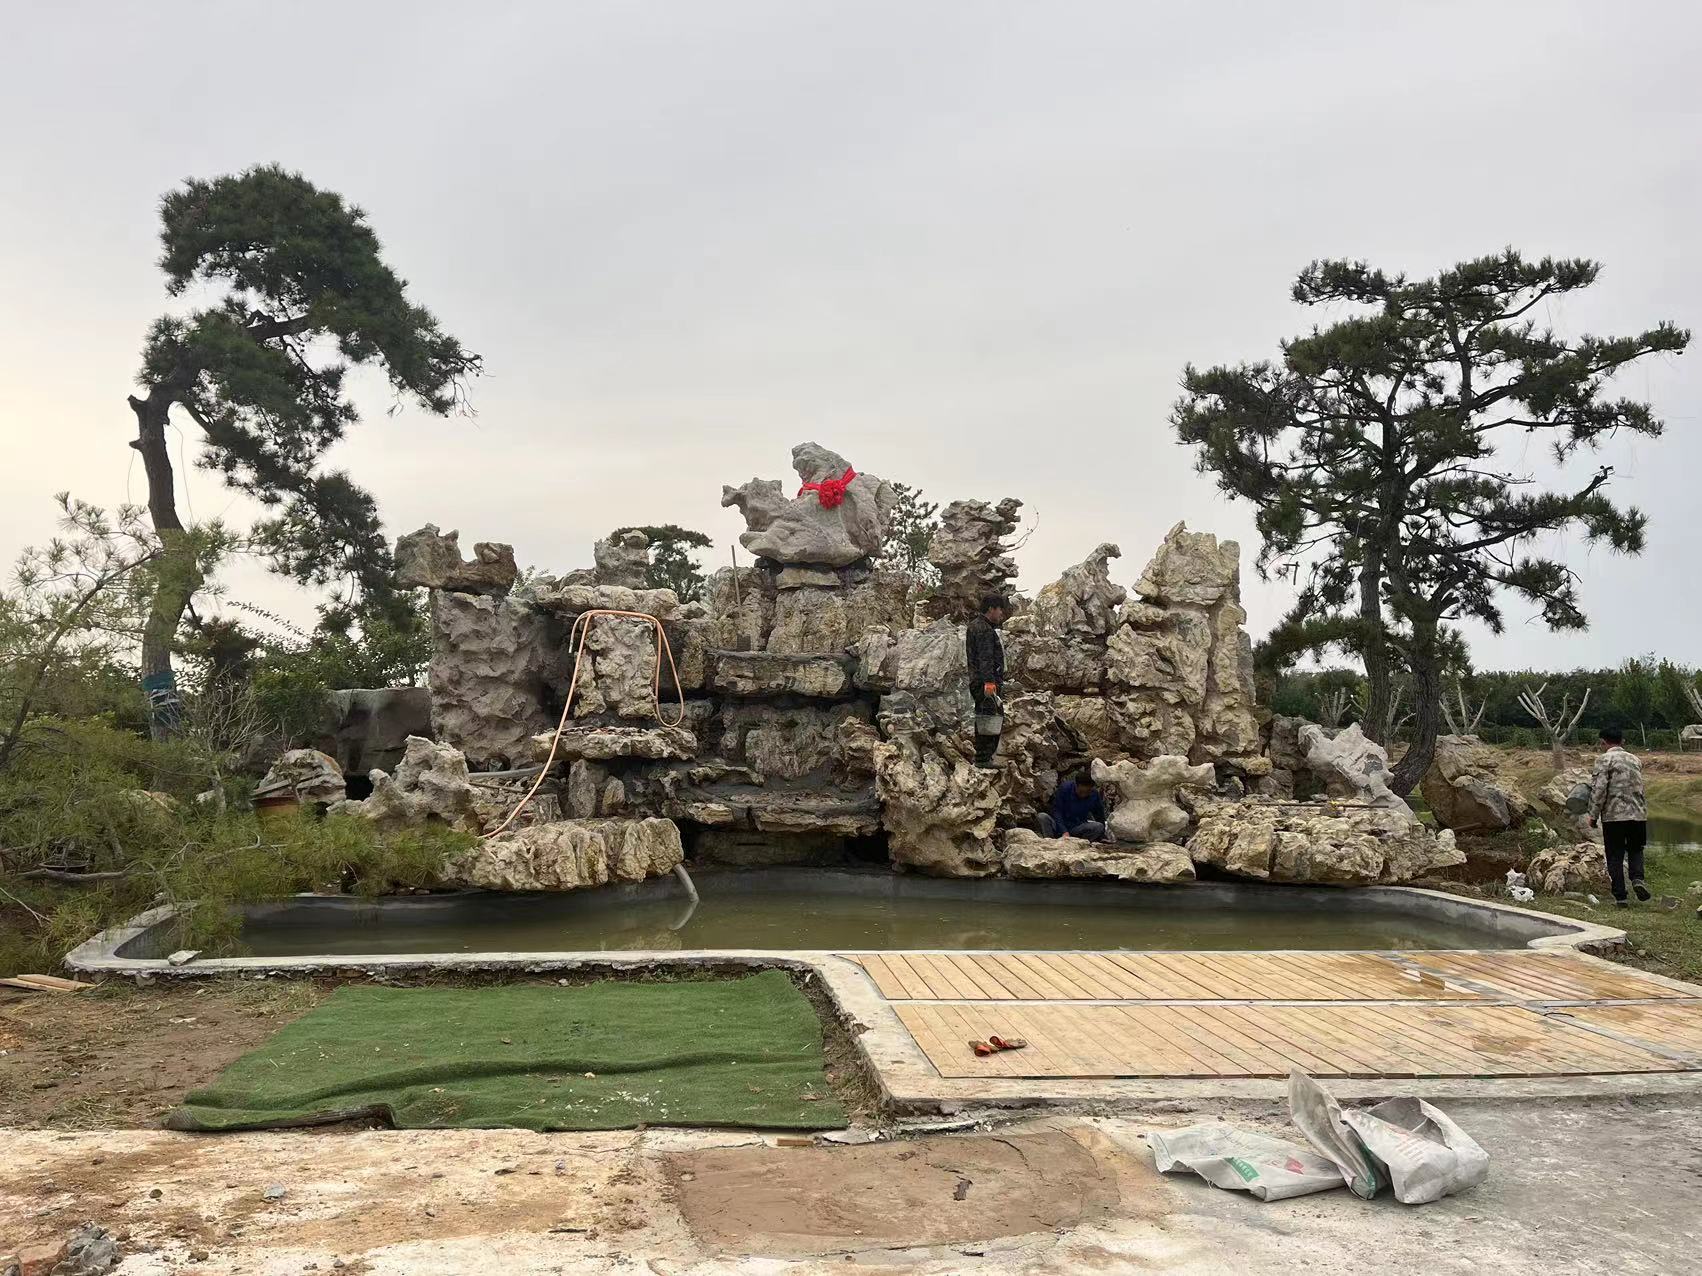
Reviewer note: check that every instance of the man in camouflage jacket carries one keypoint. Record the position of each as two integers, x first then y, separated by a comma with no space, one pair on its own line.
1619,805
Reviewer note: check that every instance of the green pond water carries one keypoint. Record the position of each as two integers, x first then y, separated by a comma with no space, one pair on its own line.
744,911
1666,833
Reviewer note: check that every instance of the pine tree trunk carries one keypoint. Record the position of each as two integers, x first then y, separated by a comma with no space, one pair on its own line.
1376,651
1427,708
179,575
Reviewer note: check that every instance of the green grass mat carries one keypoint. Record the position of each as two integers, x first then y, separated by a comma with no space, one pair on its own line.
606,1056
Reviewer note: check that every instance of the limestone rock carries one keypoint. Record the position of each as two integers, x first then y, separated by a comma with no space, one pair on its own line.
1580,867
622,559
938,809
1322,844
569,854
430,786
1146,809
617,669
800,577
1033,750
854,746
1089,719
1551,802
1351,767
969,550
747,674
569,600
494,663
783,742
1027,854
432,559
1179,669
829,813
1082,603
591,790
1291,775
601,743
817,621
928,664
305,774
1192,569
801,529
1044,662
1469,790
741,606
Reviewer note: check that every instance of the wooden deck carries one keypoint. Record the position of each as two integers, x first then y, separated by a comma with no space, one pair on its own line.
1200,1014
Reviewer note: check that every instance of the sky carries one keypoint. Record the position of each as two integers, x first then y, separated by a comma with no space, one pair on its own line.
969,245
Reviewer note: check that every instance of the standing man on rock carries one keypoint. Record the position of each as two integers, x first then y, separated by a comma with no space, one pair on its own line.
987,675
1618,803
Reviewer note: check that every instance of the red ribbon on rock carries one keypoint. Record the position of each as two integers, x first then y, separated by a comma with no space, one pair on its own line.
830,491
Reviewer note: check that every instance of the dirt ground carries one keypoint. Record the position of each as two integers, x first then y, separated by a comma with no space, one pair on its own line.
1575,1189
119,1056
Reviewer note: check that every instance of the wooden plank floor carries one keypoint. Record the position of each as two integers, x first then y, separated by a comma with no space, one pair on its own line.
1208,1014
1516,975
1389,1040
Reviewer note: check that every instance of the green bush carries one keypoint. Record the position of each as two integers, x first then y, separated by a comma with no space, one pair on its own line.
89,796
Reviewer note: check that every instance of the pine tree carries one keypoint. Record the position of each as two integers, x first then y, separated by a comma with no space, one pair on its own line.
1373,452
306,295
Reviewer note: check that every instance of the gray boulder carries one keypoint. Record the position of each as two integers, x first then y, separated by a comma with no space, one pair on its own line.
1146,809
369,728
1470,791
304,775
969,551
1027,854
1080,604
802,529
432,559
567,855
622,560
1179,668
1325,845
494,664
1351,767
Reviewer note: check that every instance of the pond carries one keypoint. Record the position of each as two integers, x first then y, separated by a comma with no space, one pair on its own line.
1672,833
848,910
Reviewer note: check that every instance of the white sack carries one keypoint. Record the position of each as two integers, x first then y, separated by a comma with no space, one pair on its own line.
1242,1161
1426,1154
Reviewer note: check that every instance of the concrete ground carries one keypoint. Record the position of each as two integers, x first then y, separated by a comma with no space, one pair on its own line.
1576,1186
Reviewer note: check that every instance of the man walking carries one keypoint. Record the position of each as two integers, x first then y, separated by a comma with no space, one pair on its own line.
1618,803
987,675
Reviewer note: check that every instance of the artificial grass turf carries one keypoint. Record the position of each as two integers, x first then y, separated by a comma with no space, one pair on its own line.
603,1056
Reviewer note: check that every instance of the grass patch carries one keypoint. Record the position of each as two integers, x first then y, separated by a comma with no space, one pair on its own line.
611,1055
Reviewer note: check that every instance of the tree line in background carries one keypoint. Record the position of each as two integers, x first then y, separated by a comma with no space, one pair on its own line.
1649,698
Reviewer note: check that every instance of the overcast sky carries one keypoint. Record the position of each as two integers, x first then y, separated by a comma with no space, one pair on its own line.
968,245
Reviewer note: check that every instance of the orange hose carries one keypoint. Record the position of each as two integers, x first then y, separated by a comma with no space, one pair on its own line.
576,641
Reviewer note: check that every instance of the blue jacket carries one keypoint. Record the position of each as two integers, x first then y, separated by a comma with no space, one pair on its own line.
1070,809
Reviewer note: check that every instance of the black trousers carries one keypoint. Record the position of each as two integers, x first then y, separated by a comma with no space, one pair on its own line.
1624,841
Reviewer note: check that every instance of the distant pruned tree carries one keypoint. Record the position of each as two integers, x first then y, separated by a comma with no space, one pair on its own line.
1459,715
671,563
302,295
1374,454
1558,723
